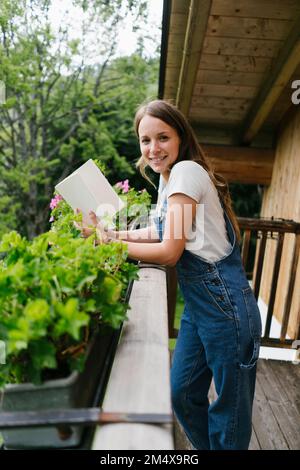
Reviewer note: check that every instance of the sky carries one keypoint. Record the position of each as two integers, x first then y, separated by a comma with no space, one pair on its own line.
127,38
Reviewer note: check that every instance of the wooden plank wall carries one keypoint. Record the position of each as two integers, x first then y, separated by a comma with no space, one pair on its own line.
178,23
282,199
241,164
140,376
241,45
242,42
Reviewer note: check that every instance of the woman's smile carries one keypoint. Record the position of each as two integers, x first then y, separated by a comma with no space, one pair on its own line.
157,160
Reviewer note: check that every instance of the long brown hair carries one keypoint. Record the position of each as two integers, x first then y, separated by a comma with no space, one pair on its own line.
189,149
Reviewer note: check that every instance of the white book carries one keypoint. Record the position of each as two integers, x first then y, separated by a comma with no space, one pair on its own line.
88,189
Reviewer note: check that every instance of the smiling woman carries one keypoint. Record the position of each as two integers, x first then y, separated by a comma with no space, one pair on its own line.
196,230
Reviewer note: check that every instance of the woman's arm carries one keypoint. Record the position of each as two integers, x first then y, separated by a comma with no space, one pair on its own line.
146,235
143,235
179,219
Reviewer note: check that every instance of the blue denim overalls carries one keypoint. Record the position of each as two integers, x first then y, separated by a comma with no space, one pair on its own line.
219,337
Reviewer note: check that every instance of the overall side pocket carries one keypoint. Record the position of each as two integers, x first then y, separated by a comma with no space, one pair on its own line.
254,328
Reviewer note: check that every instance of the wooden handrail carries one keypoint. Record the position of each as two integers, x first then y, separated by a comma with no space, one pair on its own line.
140,381
271,225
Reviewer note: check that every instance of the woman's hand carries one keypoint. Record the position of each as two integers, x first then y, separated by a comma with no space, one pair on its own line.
101,235
85,231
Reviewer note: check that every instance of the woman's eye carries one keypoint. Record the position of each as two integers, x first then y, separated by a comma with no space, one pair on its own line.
163,138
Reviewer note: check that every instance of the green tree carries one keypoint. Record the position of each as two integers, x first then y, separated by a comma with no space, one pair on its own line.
68,99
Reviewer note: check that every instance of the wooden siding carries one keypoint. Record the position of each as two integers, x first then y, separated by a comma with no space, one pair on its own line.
281,199
284,105
254,28
243,42
268,9
234,63
242,164
249,38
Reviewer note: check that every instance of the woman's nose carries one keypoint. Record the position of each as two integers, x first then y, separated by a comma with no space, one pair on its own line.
154,147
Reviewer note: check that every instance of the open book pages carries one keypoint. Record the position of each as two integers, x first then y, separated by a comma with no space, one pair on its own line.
87,189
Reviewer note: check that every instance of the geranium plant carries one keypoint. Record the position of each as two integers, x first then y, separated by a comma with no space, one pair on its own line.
54,292
137,206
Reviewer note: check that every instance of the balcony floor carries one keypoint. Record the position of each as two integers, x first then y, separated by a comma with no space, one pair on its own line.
276,410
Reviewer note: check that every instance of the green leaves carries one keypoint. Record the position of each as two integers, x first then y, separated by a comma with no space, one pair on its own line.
30,326
137,206
43,355
110,290
11,240
54,291
70,319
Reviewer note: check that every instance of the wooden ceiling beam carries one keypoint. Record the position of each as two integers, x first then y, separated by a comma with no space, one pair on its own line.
196,28
285,65
245,165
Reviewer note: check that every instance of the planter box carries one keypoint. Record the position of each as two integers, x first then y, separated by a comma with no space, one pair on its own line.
75,391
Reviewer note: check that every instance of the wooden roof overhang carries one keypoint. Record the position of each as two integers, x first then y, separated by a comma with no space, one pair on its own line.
229,66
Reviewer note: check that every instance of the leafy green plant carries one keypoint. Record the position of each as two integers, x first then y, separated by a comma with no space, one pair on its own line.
136,208
54,291
137,205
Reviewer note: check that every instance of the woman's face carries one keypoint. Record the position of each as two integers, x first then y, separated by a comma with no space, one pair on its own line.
159,144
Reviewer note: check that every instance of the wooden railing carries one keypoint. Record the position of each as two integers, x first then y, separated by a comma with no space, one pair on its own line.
256,234
139,382
259,233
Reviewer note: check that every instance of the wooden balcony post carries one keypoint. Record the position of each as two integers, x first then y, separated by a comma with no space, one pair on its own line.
172,296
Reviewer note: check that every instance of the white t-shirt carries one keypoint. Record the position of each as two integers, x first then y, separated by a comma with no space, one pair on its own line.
207,237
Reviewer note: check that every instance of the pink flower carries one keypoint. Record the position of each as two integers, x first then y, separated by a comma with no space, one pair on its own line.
54,201
124,185
51,219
